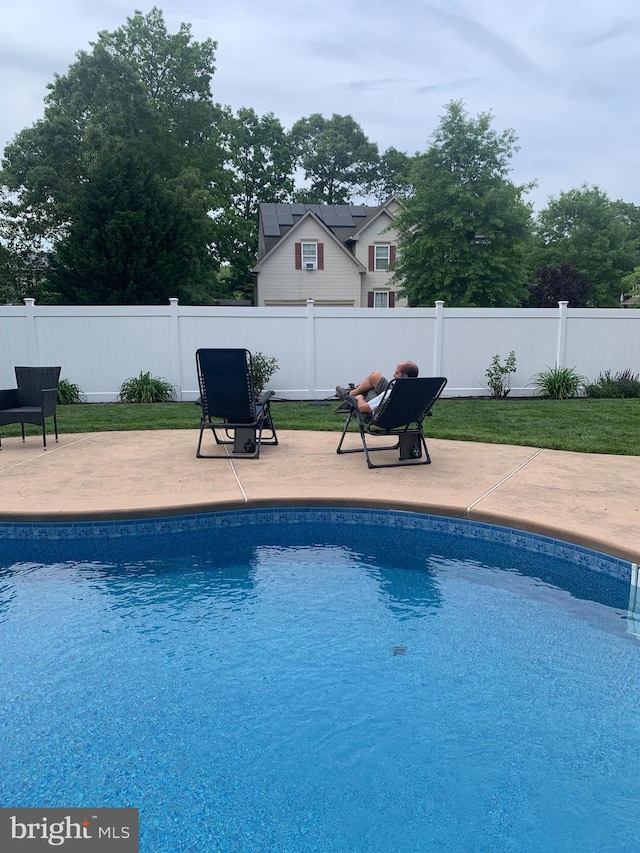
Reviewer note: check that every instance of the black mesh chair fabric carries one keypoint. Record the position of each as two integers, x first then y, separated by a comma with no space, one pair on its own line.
230,407
400,414
33,401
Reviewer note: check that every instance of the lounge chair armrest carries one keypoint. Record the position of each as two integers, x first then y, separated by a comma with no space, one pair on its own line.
49,400
263,396
9,398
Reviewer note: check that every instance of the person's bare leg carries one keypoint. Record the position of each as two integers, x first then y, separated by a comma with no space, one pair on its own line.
368,384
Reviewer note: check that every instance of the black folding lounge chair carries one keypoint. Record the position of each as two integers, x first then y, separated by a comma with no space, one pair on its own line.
229,405
33,401
400,415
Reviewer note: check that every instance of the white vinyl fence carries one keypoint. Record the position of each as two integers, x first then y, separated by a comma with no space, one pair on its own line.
99,347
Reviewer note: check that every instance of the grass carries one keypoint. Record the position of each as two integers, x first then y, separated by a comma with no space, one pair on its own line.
584,424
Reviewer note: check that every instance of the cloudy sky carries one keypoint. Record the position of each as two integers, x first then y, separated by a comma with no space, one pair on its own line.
562,73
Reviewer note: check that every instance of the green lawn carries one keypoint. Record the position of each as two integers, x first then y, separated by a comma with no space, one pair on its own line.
586,425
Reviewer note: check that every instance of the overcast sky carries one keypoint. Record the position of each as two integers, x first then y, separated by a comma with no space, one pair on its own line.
562,73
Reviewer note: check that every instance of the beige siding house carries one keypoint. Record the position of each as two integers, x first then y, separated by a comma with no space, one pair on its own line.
337,255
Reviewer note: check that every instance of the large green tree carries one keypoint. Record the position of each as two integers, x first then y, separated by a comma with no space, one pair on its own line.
337,158
597,236
463,229
261,163
392,176
120,175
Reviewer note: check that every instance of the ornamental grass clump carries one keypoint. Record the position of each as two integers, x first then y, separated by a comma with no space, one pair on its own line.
622,385
558,383
69,393
146,388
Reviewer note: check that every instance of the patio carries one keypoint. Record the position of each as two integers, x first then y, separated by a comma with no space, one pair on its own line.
588,499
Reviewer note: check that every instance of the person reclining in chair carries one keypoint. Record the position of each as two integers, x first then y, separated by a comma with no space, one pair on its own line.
370,392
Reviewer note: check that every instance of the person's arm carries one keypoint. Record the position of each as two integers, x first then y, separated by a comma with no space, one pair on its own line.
362,404
371,405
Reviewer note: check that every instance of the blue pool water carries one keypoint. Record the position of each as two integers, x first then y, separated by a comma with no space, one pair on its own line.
291,682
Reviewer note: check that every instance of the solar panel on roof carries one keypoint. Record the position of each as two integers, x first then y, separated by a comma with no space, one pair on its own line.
345,220
270,226
330,216
283,212
357,210
298,209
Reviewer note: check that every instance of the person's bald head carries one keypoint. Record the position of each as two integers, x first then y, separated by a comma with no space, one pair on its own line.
406,370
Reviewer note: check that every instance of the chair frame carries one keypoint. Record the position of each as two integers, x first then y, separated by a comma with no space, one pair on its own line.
235,417
383,423
33,401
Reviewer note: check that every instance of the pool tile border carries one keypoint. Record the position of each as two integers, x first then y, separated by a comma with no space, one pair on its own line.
534,542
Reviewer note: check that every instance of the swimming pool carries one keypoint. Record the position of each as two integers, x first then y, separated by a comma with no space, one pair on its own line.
318,679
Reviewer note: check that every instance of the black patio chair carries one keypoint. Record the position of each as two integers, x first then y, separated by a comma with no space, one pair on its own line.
33,401
230,408
400,415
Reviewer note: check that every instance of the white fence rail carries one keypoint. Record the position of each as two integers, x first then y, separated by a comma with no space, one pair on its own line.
317,348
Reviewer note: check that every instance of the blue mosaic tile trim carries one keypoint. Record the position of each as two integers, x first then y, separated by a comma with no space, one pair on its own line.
594,560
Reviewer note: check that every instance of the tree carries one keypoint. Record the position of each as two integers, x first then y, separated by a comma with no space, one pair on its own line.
337,158
631,286
261,166
393,175
597,236
552,284
462,231
120,175
22,263
136,237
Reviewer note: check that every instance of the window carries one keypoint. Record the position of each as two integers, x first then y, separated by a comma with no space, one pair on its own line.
381,299
309,256
382,258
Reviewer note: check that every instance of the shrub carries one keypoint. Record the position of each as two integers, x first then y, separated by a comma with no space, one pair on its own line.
558,383
498,375
69,393
146,388
623,384
264,367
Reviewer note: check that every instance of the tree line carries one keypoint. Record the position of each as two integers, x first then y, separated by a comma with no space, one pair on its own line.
136,186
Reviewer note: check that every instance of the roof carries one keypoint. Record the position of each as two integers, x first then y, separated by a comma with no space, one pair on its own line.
343,220
308,214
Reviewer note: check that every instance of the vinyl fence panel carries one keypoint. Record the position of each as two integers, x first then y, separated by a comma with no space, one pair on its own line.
317,347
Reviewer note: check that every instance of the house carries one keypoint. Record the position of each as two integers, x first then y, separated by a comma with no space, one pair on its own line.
336,254
633,300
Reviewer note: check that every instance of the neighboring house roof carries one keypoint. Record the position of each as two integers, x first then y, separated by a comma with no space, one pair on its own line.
287,229
377,212
344,221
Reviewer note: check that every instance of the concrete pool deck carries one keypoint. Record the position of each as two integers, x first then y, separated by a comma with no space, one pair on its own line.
590,499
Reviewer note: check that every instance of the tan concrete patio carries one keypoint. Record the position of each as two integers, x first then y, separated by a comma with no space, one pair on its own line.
589,499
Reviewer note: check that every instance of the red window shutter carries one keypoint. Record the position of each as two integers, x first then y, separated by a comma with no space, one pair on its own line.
320,256
372,258
298,256
392,255
392,299
370,299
